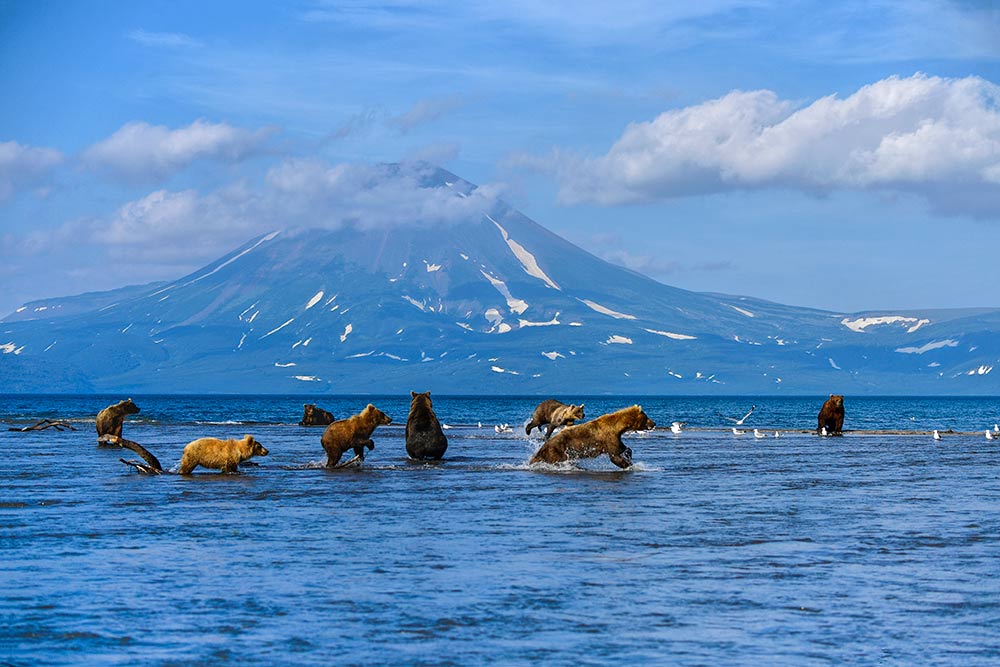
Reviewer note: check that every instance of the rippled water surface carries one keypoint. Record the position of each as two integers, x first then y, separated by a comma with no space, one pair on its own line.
713,549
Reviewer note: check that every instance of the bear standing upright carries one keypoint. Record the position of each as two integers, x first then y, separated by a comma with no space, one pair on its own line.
111,419
352,433
224,455
555,414
832,416
424,437
600,436
313,416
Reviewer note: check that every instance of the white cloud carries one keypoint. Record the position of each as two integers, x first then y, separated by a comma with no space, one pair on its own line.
24,167
139,151
425,111
895,134
298,193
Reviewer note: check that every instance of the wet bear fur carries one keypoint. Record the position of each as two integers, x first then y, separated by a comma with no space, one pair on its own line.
224,455
424,437
600,436
313,416
352,433
111,419
832,416
555,414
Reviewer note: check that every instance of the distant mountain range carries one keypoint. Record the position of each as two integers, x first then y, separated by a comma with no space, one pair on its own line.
495,304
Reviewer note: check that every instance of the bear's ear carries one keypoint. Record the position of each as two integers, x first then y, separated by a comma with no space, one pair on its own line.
832,395
248,437
413,394
370,407
581,405
305,405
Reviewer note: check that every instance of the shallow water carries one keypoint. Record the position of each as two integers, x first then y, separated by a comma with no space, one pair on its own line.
713,549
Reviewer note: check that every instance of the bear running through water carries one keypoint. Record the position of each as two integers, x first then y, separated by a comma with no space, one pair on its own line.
424,437
352,433
600,436
555,414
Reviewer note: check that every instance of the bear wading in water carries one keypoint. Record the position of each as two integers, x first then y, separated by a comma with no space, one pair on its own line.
600,436
111,419
224,455
352,433
313,416
832,416
424,437
555,414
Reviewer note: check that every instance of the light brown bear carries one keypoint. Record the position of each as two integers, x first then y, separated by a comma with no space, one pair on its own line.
352,433
832,416
111,419
313,416
224,455
555,414
600,436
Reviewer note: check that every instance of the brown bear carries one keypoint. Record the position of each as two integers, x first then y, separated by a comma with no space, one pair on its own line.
555,414
600,436
424,437
314,416
832,416
224,455
352,433
111,419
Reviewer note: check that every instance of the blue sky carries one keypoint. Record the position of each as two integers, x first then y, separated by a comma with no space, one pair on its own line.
839,155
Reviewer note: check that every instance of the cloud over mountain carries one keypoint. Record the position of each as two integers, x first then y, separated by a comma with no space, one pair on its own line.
920,133
140,151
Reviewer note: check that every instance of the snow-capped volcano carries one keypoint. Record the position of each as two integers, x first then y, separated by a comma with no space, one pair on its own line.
492,303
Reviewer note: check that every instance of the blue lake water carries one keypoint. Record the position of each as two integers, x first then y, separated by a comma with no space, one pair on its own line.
714,549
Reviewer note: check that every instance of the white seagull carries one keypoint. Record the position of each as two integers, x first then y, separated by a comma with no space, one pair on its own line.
937,436
675,427
777,435
757,434
996,428
989,436
823,432
739,422
736,432
480,426
502,428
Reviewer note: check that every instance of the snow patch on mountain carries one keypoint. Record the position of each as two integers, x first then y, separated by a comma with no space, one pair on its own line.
516,305
982,370
618,340
276,329
528,261
307,378
742,311
280,365
431,268
422,305
833,364
927,347
229,261
862,323
347,331
553,355
669,334
551,323
313,301
593,305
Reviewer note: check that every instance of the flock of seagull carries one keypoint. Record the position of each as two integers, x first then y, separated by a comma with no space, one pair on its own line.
677,428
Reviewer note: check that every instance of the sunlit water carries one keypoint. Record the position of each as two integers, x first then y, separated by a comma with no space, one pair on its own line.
713,549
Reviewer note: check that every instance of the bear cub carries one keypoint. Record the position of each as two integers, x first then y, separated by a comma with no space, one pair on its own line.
555,414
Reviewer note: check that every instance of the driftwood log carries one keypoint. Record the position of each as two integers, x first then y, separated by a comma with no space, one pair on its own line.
42,425
152,465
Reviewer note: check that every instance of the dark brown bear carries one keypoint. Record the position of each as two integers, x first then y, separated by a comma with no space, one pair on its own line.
600,436
555,414
424,437
111,418
313,416
832,416
352,433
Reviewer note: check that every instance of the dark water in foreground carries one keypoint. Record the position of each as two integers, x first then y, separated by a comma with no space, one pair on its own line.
713,549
